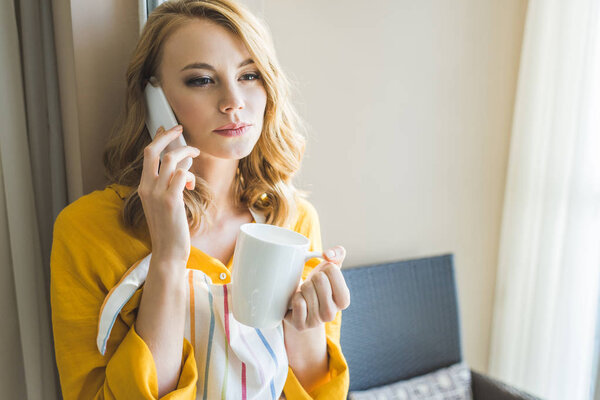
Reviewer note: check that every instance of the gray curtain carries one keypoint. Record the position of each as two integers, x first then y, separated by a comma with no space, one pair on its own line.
42,108
33,191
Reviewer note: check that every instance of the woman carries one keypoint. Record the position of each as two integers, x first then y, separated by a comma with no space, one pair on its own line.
216,65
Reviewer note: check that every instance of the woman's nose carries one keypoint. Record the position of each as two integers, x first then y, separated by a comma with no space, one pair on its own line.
232,100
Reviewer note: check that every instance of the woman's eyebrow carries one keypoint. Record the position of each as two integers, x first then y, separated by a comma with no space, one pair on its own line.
201,65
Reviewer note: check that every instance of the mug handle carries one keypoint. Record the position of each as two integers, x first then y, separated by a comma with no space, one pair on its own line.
313,254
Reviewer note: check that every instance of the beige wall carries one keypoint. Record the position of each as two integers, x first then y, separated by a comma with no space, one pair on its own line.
105,34
410,105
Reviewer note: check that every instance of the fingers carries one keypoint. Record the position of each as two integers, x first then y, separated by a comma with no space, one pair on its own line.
326,307
297,315
165,176
320,298
335,254
153,150
339,290
309,293
340,293
181,178
169,164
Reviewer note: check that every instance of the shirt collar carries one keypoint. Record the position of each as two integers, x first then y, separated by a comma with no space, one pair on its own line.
202,261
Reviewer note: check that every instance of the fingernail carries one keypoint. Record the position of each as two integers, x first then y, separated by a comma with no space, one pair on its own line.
330,253
178,128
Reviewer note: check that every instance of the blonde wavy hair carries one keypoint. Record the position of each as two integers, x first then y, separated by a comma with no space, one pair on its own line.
264,177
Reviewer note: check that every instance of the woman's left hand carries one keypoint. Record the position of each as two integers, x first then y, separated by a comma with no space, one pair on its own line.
323,293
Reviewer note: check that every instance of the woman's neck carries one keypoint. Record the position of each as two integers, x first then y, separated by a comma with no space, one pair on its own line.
220,175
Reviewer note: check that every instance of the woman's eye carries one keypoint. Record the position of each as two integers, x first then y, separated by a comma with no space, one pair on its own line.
198,81
254,76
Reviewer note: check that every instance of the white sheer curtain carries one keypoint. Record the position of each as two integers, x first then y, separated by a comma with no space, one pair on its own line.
549,261
597,355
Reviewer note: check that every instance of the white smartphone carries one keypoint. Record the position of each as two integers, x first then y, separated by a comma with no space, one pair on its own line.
159,113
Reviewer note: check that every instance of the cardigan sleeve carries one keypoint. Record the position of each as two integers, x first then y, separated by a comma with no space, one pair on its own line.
82,272
337,383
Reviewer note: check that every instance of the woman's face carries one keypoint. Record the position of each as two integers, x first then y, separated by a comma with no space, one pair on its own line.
204,99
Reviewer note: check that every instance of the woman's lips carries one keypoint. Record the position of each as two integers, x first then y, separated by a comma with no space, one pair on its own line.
233,132
232,125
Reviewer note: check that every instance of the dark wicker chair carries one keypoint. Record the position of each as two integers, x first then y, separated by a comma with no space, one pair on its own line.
403,321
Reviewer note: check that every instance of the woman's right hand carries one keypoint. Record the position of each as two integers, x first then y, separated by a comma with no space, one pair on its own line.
161,194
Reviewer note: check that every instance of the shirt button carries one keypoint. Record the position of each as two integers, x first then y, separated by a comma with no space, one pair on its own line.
223,276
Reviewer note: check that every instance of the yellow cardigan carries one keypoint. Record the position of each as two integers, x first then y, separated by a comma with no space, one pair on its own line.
91,251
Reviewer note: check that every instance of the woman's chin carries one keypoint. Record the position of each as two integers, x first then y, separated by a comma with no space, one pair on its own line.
232,153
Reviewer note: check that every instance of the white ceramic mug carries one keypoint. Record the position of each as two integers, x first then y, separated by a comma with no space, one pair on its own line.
267,267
